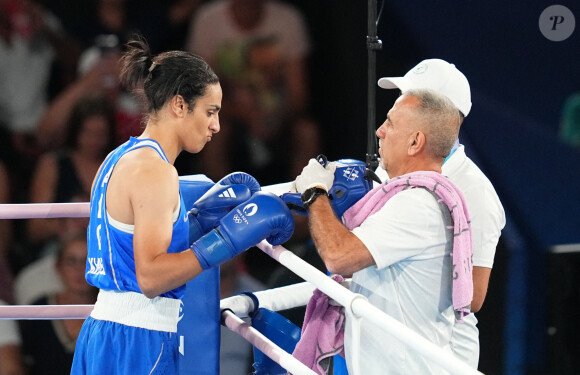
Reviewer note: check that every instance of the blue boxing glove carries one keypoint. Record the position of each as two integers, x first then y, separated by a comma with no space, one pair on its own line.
241,178
227,193
281,332
263,216
212,206
352,180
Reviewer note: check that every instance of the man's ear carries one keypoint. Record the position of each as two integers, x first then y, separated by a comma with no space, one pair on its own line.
178,105
416,142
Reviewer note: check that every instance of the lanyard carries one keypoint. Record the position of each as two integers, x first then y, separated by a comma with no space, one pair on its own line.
455,147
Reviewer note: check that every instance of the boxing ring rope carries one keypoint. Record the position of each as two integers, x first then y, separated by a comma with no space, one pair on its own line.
252,335
81,209
44,312
296,295
356,305
43,210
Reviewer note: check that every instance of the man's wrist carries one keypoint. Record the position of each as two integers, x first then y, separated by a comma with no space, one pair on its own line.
310,195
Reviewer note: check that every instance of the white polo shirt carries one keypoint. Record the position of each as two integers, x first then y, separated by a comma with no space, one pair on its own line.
410,239
487,218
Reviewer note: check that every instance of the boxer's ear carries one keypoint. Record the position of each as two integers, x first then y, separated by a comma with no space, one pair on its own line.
178,105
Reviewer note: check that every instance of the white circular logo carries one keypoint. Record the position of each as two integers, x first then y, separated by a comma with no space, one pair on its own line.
557,23
421,69
250,209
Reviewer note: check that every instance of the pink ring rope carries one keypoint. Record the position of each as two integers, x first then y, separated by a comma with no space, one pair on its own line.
43,210
45,312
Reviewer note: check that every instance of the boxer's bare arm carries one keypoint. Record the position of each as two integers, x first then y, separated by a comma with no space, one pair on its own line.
144,191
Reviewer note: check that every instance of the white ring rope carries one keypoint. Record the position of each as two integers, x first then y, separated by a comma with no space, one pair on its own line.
295,295
358,307
277,354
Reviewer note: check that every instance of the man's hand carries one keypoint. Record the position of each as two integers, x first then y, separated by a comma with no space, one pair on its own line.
351,181
315,175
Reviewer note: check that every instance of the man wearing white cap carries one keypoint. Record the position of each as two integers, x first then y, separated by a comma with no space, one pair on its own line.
485,209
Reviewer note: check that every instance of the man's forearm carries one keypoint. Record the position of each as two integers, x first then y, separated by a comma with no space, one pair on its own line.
342,252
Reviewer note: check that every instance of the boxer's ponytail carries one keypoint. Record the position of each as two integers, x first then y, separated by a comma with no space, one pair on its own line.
158,78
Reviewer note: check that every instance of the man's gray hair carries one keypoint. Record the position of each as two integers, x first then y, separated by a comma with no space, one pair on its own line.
440,119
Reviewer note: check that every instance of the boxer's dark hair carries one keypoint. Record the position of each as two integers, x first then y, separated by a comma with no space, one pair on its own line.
156,79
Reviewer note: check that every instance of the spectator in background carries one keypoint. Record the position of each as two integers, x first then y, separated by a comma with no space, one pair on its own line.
10,348
48,346
164,23
179,15
101,28
98,73
89,19
40,277
32,42
69,171
259,49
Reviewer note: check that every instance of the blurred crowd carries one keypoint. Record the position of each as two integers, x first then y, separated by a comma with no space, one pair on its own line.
62,110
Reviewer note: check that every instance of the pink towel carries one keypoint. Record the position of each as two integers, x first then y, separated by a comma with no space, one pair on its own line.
322,332
446,192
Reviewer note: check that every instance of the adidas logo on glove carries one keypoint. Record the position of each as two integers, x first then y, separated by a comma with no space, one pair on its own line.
229,193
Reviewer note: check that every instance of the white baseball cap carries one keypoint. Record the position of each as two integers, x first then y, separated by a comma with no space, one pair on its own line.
437,75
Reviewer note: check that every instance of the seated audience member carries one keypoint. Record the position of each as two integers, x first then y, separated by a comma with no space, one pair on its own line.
69,171
40,277
33,45
48,345
98,71
259,49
